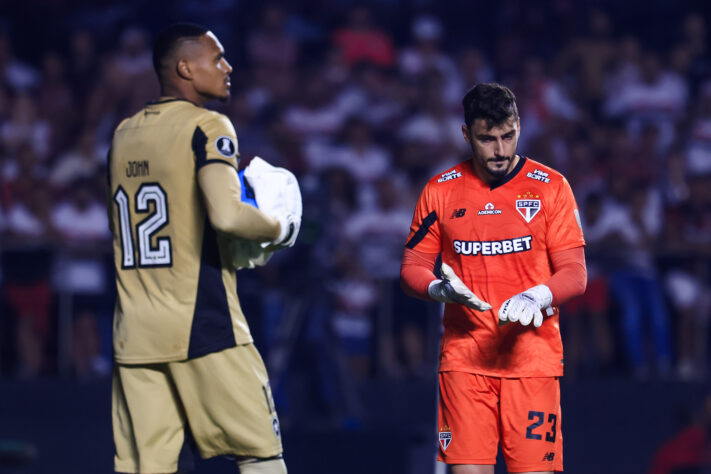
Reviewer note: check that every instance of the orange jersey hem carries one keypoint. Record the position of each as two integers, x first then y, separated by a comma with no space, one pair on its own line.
485,462
502,375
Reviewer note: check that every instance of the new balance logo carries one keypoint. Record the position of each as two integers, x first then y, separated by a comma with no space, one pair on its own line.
458,213
549,457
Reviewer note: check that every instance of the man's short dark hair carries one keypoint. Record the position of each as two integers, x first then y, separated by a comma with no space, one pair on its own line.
492,102
168,40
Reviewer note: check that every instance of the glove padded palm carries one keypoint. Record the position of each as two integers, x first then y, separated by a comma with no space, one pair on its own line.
450,289
526,307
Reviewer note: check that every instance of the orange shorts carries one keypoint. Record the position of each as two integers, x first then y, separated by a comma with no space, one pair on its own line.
476,411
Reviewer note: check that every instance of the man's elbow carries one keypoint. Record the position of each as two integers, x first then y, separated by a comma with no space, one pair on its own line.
404,286
582,280
221,224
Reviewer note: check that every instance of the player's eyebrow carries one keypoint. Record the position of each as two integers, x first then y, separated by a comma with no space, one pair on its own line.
482,136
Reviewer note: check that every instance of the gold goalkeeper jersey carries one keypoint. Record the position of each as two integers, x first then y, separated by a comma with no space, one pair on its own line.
176,287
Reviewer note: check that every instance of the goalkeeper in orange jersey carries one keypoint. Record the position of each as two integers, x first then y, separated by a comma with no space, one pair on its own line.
509,235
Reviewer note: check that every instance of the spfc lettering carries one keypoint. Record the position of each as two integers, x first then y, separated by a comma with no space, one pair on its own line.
528,205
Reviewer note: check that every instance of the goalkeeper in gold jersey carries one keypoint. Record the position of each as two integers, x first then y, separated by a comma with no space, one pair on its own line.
184,356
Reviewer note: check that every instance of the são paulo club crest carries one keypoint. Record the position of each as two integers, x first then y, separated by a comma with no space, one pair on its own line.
445,437
528,205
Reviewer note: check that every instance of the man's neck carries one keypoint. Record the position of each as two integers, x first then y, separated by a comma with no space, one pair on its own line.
170,91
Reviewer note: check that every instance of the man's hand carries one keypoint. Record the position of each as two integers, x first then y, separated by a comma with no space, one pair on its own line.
450,289
290,224
526,307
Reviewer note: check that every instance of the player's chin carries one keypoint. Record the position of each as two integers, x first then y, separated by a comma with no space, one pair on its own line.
498,168
224,97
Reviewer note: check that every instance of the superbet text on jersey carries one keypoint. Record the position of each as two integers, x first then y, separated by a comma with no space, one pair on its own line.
498,240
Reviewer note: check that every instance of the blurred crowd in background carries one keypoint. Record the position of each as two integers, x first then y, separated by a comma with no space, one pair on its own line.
362,102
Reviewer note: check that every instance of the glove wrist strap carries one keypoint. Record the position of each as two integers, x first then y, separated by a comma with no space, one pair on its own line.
542,294
432,289
287,230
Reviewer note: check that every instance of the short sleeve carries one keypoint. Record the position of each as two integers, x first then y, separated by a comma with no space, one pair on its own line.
564,228
424,230
215,141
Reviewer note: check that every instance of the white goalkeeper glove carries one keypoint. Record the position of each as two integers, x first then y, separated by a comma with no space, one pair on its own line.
526,307
249,254
450,289
277,194
289,230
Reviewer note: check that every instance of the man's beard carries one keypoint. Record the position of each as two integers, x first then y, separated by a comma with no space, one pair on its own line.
498,172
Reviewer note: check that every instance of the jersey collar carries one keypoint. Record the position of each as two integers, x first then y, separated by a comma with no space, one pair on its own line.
165,100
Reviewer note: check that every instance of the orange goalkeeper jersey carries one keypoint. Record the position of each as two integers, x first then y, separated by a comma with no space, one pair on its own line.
498,241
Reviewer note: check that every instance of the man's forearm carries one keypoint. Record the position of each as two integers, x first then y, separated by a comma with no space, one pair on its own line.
570,275
227,213
416,273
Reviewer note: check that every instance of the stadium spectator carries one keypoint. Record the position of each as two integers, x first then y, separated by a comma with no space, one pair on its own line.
56,101
631,224
361,41
26,285
425,54
316,115
698,153
588,56
364,159
658,97
83,160
588,335
688,450
78,270
269,45
25,126
694,41
15,74
433,124
83,68
355,297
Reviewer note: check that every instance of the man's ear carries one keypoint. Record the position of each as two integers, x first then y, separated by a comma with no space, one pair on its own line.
465,132
183,70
